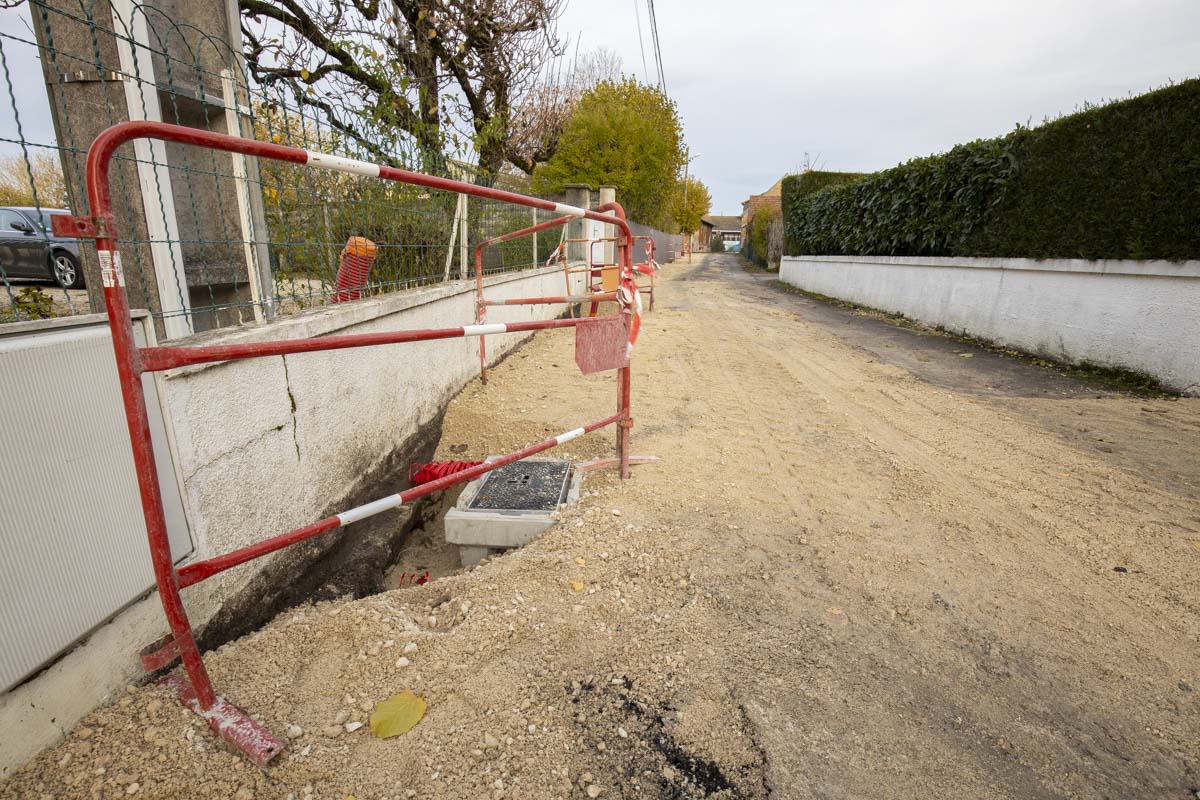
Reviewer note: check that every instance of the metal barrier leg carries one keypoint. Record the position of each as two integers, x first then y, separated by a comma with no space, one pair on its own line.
197,691
626,422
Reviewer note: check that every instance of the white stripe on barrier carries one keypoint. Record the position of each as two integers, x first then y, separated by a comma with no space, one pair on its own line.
483,330
569,435
351,165
563,208
370,509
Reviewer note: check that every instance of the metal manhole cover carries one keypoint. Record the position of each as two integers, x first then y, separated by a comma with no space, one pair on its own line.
523,486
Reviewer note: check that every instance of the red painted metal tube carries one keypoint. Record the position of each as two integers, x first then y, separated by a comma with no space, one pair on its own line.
200,570
129,367
113,137
600,297
517,234
155,359
624,376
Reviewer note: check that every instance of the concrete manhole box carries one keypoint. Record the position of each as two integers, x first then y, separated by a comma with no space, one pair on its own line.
523,486
509,506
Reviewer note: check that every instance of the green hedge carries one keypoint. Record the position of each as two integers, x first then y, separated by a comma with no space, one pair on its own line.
813,181
1115,181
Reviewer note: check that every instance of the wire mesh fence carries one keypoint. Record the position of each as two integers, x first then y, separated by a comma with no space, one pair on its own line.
208,239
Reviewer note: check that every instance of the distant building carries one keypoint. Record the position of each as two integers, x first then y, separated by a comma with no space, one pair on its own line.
771,197
728,228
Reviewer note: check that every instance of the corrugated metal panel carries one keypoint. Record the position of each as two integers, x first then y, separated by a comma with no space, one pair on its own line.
72,540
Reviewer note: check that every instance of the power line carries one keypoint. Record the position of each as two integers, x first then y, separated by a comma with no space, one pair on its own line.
662,80
637,15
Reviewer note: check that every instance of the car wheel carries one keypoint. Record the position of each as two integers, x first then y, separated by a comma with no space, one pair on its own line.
66,269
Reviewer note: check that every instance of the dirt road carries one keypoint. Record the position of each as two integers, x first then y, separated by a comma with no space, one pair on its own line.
845,579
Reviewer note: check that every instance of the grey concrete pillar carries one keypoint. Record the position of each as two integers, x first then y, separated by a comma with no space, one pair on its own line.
83,76
608,194
580,196
182,218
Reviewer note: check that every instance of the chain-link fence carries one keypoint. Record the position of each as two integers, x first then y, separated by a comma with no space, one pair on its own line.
208,239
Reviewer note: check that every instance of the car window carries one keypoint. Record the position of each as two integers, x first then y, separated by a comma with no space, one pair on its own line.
45,221
7,218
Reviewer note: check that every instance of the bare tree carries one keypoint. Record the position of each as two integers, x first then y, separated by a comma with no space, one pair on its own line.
538,123
379,70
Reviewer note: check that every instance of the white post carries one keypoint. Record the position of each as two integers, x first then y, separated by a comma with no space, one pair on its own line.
608,194
450,248
533,216
462,237
158,199
233,126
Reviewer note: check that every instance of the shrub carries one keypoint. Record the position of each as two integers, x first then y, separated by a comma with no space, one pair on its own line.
775,241
716,244
760,226
30,303
1114,181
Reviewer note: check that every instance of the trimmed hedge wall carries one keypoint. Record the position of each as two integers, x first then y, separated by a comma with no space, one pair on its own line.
813,181
1115,181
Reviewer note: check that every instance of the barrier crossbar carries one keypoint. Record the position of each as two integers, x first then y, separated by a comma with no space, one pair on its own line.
595,295
194,688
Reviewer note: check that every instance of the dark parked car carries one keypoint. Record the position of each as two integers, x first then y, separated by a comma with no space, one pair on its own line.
29,249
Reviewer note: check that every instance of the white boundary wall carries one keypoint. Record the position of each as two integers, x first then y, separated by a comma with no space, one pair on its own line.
252,466
1136,315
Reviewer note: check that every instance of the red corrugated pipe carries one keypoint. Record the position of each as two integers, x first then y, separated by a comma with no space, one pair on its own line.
424,473
354,268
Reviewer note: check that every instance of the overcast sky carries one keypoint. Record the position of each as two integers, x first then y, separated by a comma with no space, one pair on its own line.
858,84
866,84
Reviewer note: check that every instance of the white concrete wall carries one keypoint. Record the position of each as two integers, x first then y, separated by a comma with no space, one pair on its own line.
252,468
1136,315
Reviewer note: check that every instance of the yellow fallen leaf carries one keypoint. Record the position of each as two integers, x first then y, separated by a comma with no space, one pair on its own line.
397,715
580,561
576,586
834,610
967,355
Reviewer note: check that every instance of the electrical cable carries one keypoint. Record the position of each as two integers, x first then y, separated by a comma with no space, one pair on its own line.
637,15
662,78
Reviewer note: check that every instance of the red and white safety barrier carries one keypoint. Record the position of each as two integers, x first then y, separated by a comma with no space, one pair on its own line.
132,361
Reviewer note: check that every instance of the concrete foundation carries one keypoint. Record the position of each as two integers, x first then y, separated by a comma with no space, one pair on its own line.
480,533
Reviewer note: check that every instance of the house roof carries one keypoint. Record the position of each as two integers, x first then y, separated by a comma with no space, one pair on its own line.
725,223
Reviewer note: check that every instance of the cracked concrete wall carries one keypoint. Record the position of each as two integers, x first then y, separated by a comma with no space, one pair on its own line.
267,445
